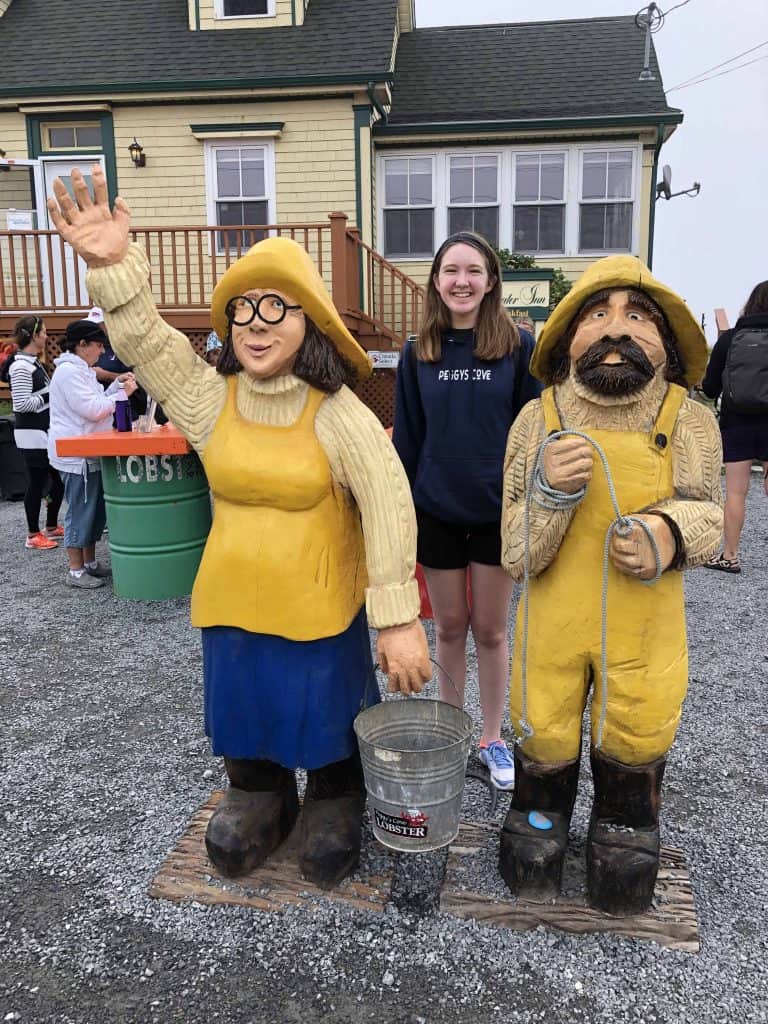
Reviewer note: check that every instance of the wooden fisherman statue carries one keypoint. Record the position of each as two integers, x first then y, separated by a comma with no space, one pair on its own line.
617,355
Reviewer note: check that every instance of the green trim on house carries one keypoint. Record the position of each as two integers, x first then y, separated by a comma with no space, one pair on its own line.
197,15
107,147
534,274
247,126
654,179
197,85
563,138
527,124
362,115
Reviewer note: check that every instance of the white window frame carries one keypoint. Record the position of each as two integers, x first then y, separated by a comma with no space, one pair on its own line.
218,11
566,152
211,196
506,154
438,202
446,157
633,200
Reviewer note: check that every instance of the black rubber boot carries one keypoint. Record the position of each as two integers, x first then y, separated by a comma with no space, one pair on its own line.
623,841
331,822
255,815
531,858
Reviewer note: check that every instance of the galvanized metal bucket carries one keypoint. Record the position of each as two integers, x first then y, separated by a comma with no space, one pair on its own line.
414,754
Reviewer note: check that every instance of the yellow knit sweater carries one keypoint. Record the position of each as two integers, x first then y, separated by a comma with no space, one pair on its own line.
697,505
192,394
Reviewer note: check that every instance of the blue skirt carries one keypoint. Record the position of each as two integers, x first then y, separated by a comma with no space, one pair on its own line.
287,701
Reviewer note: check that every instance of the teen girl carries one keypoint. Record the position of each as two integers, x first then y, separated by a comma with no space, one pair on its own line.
460,385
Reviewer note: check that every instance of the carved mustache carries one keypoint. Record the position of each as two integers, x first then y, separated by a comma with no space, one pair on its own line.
628,349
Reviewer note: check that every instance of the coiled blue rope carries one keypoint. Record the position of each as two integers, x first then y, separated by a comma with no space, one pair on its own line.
538,490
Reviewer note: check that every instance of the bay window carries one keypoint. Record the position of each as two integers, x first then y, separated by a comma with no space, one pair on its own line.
473,195
606,207
539,211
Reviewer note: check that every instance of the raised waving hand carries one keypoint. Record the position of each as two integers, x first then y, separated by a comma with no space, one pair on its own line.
96,233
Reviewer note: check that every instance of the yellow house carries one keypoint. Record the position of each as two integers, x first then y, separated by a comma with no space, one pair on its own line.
273,114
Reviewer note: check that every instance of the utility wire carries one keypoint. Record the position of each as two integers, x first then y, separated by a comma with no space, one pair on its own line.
706,71
665,13
721,73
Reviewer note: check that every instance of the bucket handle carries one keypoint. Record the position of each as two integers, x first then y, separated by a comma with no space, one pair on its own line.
377,667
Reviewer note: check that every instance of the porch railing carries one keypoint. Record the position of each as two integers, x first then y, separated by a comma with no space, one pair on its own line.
41,273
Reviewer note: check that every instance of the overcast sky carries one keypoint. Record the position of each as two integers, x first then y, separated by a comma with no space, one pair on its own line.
713,249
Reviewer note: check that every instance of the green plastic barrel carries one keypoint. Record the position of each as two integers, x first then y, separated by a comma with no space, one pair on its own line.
159,515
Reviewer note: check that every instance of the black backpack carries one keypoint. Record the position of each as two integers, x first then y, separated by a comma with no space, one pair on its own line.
745,378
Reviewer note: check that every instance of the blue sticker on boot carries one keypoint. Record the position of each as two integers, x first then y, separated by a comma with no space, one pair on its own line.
538,820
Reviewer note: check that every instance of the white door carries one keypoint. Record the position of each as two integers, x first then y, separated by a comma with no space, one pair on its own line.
68,271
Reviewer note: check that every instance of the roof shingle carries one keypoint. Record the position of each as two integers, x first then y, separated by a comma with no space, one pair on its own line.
90,43
575,68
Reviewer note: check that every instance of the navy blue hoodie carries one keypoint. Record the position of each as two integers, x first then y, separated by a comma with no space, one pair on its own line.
452,419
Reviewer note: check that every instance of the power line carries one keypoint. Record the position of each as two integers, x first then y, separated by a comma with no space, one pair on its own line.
721,65
721,73
675,7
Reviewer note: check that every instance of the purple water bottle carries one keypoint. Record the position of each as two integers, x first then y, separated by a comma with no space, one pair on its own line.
122,410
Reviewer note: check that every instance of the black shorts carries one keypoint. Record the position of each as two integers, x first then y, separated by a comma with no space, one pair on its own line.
745,439
450,546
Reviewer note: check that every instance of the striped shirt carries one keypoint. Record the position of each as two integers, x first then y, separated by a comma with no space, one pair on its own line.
29,391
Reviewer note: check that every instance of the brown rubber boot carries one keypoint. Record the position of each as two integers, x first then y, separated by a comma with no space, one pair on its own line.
623,841
535,833
255,815
331,822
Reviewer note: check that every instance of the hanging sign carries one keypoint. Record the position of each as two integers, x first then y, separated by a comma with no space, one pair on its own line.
525,294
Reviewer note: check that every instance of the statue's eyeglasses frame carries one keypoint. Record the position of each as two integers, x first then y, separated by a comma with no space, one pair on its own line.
242,310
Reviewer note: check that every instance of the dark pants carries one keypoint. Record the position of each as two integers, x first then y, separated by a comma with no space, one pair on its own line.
40,473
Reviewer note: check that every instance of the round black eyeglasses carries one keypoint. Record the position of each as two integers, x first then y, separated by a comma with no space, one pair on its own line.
269,308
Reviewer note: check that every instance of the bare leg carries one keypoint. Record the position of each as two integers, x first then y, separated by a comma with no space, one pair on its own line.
75,556
491,594
448,597
765,477
89,553
736,488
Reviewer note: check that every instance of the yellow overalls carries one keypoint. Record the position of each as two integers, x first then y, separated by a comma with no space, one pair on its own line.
646,639
285,555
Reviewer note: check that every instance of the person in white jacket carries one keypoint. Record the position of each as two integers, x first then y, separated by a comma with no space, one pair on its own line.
79,405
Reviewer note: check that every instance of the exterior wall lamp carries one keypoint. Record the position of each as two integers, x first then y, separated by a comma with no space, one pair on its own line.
137,154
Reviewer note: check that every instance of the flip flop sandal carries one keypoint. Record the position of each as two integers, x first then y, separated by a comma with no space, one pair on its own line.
724,564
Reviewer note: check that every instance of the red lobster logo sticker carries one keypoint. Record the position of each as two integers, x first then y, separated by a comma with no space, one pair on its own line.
414,818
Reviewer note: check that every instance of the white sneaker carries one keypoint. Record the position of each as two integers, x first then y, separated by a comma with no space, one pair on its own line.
84,581
498,760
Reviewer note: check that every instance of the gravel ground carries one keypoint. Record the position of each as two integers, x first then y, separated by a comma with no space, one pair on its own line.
104,762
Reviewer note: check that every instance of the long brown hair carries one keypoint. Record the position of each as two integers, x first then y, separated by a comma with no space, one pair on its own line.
495,333
757,301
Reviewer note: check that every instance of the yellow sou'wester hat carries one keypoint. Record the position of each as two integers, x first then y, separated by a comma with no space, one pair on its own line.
283,264
624,272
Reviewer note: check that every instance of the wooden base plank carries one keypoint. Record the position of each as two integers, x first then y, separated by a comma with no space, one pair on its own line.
187,876
671,922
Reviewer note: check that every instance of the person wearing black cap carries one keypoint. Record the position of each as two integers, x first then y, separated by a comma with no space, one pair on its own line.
79,405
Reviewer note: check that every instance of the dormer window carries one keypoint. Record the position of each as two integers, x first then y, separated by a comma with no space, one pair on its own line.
244,8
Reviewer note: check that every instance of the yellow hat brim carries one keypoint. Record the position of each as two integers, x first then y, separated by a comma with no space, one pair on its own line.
284,265
624,272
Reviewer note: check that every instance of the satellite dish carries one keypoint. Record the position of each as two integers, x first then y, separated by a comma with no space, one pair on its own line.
664,187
